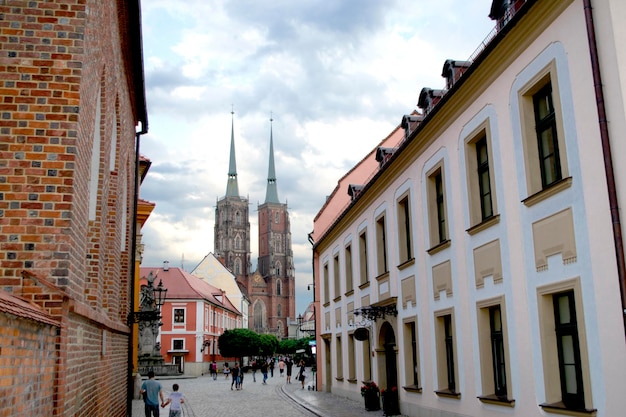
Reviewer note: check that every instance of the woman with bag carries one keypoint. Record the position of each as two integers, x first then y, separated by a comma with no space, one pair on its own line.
301,376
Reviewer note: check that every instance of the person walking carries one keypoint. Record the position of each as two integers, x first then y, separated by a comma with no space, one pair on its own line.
272,367
214,370
301,375
151,391
235,374
226,370
254,366
176,400
289,366
281,367
264,367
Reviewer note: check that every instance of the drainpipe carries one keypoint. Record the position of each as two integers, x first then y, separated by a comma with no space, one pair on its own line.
608,160
133,261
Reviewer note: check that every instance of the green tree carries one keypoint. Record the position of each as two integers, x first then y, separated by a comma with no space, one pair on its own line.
237,343
268,345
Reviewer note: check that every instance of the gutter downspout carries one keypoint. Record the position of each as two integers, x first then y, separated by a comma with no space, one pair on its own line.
315,310
608,160
132,273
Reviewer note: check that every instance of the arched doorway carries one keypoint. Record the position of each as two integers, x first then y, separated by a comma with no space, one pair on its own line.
388,366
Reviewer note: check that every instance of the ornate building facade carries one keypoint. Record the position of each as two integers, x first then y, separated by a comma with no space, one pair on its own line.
271,288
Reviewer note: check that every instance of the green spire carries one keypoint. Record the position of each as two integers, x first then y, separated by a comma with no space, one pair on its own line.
232,189
271,195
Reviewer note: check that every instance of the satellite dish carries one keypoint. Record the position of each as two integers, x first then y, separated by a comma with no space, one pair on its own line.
361,334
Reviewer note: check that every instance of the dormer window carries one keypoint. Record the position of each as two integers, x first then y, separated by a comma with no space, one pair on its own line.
354,191
410,122
383,155
429,98
503,10
453,70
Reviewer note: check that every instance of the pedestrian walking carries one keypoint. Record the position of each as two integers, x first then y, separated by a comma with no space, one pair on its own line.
214,370
264,367
235,374
226,370
281,367
289,366
175,399
301,375
151,391
254,367
272,368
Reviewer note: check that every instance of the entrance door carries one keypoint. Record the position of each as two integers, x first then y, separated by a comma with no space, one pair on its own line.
180,361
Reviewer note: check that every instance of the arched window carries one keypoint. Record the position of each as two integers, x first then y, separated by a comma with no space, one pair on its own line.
237,218
278,288
237,242
279,310
237,266
277,268
258,316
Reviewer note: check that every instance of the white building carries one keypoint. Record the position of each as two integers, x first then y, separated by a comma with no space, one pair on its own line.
484,251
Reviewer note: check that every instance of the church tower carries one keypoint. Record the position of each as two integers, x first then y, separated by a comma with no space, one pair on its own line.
232,225
276,306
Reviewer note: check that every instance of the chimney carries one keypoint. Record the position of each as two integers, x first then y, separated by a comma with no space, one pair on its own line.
166,265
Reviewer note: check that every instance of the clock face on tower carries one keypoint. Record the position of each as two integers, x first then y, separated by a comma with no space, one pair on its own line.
258,279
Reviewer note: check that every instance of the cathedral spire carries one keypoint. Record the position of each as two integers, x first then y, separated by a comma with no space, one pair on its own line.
271,195
232,189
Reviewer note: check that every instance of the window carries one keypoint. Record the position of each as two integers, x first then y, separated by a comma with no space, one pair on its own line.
411,355
339,358
178,344
363,270
381,246
279,310
446,356
326,285
336,277
278,288
351,358
276,217
437,207
179,315
547,139
237,242
570,367
237,218
484,180
564,351
237,266
348,268
493,351
404,230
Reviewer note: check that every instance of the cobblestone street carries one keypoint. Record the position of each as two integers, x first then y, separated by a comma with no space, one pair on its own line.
206,398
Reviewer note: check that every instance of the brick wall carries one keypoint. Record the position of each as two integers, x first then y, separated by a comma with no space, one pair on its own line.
61,61
27,348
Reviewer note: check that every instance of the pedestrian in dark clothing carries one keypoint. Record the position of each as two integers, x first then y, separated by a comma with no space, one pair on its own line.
289,365
272,368
301,376
235,375
264,367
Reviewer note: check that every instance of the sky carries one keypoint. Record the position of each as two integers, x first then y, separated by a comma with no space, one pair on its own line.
335,76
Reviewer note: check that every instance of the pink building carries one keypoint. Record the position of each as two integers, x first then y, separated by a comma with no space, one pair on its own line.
194,315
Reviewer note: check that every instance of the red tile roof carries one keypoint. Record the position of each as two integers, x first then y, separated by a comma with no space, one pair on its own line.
11,304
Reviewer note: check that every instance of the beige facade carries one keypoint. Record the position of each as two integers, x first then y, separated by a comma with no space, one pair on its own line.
481,252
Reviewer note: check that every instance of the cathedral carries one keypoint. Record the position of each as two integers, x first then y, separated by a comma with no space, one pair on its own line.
271,288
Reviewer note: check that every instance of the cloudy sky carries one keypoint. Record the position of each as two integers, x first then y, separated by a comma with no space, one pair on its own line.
336,76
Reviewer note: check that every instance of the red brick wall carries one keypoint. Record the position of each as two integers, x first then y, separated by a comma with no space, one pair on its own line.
60,58
28,347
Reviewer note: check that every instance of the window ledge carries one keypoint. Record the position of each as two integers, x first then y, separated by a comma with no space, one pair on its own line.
413,388
449,394
349,293
337,299
382,276
364,285
546,193
560,408
485,224
406,264
497,400
352,380
327,303
439,247
339,378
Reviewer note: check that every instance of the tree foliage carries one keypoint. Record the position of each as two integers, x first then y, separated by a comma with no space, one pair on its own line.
237,343
268,344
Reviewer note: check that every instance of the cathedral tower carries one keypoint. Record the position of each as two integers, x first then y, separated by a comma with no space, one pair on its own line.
232,224
275,262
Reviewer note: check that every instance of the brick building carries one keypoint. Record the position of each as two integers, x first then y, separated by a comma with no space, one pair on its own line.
71,94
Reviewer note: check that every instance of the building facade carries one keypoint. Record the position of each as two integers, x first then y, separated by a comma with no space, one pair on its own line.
271,288
72,97
478,270
194,315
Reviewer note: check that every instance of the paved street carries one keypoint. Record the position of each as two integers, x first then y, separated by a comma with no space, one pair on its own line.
207,398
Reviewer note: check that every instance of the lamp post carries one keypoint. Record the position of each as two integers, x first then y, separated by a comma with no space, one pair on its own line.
152,299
